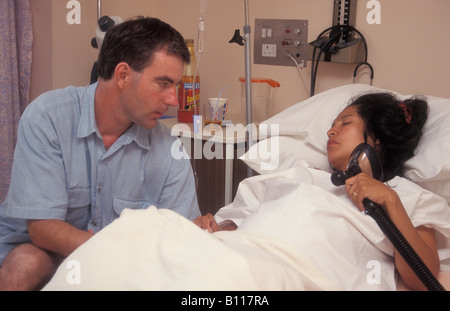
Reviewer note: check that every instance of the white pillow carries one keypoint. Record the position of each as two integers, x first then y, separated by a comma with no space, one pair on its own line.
309,121
283,152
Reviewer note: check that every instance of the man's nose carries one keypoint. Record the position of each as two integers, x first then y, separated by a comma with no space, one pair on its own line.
171,98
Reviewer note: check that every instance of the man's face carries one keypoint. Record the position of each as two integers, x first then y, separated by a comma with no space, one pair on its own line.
153,90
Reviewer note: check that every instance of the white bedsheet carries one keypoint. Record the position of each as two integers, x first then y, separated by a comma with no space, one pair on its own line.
297,232
159,250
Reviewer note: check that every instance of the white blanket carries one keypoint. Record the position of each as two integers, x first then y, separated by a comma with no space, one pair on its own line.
159,250
297,232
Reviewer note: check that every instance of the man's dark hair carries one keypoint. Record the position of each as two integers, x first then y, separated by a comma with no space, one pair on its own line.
135,41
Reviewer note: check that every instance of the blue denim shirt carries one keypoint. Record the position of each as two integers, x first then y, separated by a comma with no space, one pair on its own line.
62,170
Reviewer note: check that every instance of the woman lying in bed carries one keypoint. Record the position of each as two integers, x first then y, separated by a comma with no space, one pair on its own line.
394,129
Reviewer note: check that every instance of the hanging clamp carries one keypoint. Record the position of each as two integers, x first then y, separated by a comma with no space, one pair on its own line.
237,38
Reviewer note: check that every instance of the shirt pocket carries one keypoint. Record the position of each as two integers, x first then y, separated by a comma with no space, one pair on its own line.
120,204
78,207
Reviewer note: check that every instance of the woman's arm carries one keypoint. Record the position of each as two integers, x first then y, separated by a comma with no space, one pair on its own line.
421,239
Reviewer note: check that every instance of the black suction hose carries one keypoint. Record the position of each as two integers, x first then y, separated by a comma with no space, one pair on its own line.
403,247
381,217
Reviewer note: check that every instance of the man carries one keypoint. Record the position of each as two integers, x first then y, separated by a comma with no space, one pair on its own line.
85,154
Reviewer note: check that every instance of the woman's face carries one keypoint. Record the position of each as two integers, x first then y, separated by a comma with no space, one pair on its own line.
346,133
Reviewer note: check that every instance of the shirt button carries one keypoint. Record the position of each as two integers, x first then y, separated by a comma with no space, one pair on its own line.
94,223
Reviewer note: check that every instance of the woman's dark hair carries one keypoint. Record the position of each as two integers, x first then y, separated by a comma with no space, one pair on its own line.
135,41
396,124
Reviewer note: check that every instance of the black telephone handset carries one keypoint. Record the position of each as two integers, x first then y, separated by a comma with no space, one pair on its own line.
365,159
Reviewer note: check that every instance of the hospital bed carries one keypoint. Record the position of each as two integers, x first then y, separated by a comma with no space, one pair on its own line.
156,249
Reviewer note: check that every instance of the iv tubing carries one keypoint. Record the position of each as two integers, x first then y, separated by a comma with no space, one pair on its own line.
194,162
196,109
199,52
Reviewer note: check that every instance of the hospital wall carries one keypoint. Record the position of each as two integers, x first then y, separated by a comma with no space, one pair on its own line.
408,50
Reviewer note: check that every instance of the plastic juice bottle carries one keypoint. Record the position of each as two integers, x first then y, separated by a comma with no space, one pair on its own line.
186,105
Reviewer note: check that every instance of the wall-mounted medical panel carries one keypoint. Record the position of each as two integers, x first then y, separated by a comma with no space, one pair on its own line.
276,39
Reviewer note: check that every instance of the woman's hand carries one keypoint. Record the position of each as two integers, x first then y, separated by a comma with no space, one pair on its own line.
362,187
208,223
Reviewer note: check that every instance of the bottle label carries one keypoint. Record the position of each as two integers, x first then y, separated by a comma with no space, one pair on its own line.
186,96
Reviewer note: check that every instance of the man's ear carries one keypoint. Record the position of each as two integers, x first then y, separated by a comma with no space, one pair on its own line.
122,74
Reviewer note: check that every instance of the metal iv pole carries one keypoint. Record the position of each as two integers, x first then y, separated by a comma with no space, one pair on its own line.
248,82
245,40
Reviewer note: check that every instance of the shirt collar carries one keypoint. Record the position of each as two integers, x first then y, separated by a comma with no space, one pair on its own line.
88,126
138,134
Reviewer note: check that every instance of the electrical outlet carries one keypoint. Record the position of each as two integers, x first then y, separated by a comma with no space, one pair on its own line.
278,39
269,50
